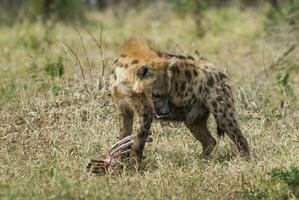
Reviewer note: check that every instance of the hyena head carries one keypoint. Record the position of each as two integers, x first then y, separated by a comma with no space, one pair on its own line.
154,81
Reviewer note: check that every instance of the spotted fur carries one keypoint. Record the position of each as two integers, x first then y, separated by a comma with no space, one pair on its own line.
194,88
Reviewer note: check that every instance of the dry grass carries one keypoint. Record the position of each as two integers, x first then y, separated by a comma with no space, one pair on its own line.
51,127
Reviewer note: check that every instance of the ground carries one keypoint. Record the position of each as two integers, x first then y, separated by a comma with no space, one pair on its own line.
56,115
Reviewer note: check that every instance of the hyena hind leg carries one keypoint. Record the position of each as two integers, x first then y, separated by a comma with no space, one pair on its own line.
230,126
199,129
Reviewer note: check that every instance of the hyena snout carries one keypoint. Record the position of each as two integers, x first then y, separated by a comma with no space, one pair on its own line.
161,108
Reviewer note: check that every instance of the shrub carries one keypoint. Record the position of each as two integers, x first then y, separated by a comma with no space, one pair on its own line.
284,12
282,184
284,81
291,176
68,10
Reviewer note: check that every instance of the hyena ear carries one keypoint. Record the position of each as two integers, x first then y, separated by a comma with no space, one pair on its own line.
144,71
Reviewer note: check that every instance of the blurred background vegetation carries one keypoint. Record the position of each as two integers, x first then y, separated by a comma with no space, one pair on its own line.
74,10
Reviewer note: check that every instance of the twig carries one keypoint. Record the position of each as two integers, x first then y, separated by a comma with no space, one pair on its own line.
76,57
83,46
99,45
277,61
78,63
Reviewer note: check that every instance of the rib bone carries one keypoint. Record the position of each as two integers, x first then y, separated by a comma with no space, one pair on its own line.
118,149
124,140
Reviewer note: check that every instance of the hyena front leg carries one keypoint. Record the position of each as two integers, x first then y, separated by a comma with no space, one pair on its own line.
126,116
145,118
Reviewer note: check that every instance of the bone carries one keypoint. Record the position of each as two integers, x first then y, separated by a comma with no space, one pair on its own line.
118,149
121,147
123,144
122,141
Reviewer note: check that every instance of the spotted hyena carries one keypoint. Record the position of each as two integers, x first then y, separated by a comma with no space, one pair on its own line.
150,84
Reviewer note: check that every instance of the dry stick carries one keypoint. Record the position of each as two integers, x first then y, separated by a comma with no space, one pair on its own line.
278,60
99,45
76,57
101,51
66,52
83,46
78,63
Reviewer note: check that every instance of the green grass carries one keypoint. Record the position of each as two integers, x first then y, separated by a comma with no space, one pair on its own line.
53,121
